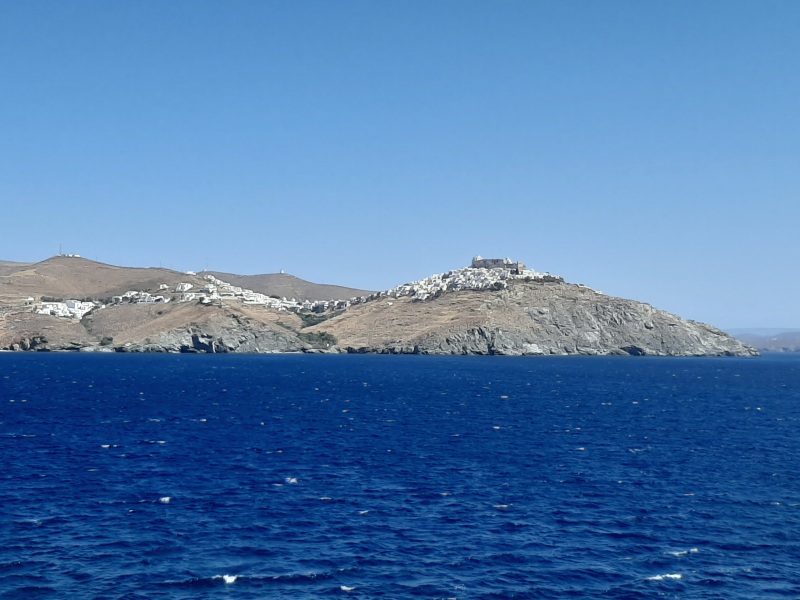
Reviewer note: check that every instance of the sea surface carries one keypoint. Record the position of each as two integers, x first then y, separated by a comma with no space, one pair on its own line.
238,477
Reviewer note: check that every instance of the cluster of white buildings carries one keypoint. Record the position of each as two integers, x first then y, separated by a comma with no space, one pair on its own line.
484,274
216,289
72,309
140,298
470,278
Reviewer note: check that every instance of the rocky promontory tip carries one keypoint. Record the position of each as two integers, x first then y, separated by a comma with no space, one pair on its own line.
493,306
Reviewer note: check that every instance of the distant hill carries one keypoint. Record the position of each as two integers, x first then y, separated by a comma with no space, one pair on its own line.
7,267
74,277
771,340
289,286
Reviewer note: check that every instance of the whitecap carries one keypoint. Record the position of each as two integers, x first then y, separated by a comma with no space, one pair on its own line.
291,480
227,578
684,552
665,576
346,588
165,500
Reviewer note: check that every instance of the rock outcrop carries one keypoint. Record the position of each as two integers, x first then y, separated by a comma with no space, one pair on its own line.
216,338
526,318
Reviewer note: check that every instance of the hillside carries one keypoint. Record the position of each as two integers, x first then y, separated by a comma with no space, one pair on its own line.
466,311
527,318
7,267
72,277
284,285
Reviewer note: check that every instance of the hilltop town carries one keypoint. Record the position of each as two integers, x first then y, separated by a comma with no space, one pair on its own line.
482,274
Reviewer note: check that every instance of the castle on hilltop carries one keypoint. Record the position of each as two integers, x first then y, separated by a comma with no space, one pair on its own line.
515,267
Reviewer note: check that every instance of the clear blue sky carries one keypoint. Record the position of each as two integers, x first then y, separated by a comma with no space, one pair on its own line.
647,149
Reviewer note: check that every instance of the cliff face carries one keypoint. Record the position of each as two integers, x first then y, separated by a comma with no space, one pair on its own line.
526,319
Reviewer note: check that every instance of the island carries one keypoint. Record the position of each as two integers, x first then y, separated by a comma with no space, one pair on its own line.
494,306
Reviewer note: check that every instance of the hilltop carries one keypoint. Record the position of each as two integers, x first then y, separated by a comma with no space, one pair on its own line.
494,306
284,285
75,277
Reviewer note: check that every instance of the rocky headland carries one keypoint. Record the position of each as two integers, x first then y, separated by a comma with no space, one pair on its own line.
492,307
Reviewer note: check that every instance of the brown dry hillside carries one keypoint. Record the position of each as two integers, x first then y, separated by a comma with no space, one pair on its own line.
70,277
65,333
400,321
137,322
524,318
283,285
7,267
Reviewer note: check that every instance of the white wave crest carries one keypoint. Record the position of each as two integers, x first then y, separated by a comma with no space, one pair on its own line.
684,552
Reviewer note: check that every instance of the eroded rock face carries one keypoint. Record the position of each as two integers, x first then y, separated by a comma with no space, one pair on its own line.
30,332
531,319
212,338
36,342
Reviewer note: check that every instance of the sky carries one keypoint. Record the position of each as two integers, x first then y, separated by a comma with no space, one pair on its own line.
650,150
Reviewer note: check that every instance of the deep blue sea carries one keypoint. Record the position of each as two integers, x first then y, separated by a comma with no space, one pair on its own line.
238,477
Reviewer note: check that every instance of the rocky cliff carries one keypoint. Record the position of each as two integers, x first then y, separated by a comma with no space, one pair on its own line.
526,318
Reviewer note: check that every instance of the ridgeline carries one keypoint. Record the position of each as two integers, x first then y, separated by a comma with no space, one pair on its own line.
495,307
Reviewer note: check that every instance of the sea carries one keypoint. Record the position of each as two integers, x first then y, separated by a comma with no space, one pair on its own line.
308,476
